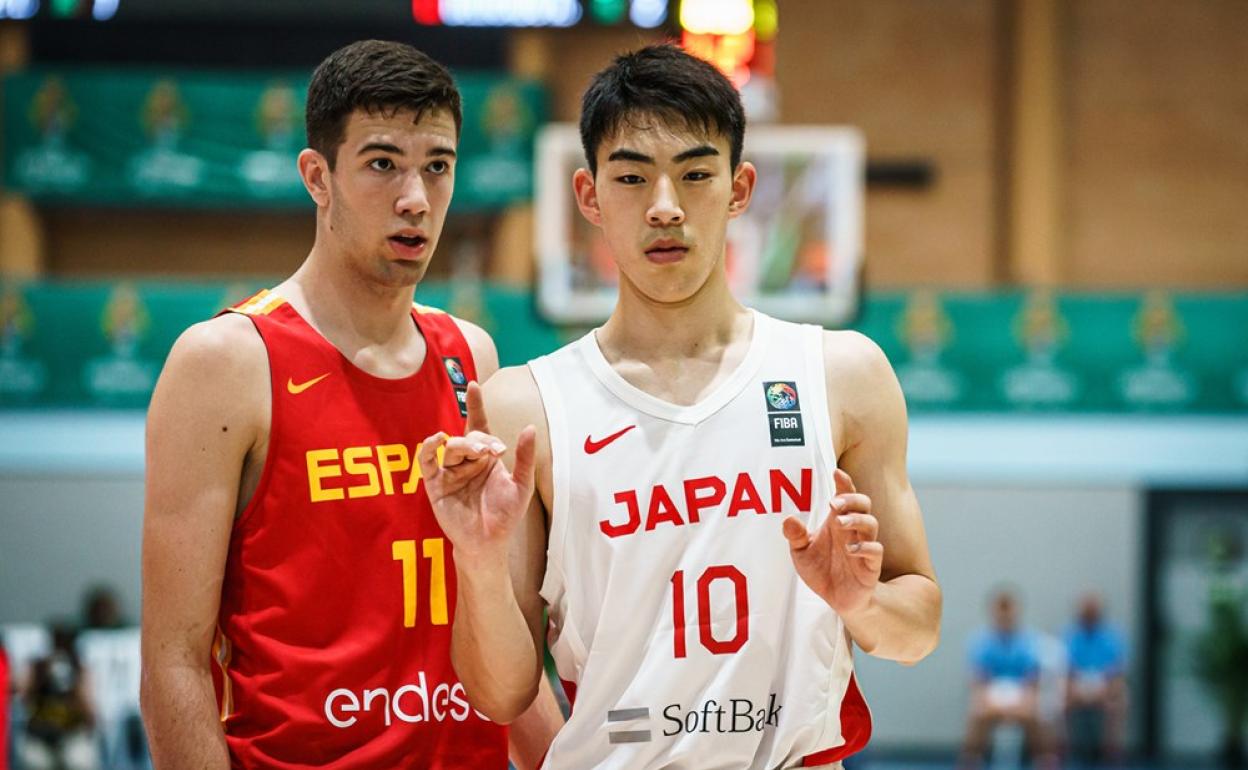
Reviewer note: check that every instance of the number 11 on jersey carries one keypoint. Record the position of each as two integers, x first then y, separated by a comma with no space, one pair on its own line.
706,634
434,549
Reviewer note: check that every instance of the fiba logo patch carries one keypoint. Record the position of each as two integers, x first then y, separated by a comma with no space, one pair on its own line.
459,382
455,370
784,418
782,396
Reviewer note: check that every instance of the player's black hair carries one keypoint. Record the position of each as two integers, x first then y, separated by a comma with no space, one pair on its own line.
661,82
375,76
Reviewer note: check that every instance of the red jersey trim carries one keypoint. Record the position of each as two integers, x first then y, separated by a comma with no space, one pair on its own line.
266,471
855,728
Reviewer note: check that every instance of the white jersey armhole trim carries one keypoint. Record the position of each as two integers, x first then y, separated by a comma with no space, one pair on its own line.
556,425
822,417
842,666
554,590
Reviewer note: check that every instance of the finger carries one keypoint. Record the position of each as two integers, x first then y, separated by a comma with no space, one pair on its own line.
428,455
457,474
526,457
476,410
844,483
864,525
474,446
796,533
492,443
867,549
851,502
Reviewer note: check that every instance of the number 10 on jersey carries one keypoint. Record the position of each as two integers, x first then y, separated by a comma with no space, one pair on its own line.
706,634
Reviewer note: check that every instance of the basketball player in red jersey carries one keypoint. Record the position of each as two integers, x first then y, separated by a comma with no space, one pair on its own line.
290,559
722,500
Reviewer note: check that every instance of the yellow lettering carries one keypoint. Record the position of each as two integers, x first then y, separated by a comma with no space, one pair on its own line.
322,464
393,459
435,552
409,486
405,551
351,460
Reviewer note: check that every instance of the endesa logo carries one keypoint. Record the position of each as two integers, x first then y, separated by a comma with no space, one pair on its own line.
411,703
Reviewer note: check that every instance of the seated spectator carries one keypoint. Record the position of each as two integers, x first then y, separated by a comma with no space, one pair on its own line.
1005,665
59,726
101,609
1096,699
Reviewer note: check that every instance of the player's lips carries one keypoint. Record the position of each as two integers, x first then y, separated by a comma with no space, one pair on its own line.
409,243
666,250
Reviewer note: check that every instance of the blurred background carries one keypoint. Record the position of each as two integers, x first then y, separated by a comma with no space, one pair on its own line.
1038,208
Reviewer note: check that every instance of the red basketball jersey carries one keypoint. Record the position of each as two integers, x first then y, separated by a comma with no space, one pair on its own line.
333,646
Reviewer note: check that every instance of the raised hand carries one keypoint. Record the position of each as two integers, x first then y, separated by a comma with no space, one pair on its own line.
841,561
476,500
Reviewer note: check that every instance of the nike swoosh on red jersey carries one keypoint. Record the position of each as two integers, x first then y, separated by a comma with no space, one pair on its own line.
592,446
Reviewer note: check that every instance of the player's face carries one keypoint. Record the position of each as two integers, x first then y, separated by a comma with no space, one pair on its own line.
389,192
663,197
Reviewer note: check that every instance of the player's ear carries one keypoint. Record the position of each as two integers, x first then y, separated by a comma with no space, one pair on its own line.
587,196
314,170
742,188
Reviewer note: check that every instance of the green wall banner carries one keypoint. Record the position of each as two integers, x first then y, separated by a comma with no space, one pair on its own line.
95,344
132,138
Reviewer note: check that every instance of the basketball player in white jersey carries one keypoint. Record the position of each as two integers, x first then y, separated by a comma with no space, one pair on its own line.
722,504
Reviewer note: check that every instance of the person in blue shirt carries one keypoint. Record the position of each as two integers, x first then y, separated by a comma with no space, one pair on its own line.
1005,668
1096,689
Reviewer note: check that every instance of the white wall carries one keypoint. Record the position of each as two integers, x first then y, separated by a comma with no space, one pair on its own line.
1051,542
60,535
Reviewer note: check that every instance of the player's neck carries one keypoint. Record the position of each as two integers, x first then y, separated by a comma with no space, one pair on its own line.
347,310
642,329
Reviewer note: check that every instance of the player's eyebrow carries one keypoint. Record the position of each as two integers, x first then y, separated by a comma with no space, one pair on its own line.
624,154
380,147
440,150
701,151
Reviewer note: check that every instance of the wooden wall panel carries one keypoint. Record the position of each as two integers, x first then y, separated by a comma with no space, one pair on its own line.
917,76
1157,169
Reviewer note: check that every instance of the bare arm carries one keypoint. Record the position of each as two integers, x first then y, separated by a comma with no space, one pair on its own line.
489,514
869,559
205,416
902,620
484,354
534,730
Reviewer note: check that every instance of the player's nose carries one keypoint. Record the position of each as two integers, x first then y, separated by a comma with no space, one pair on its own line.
665,209
413,198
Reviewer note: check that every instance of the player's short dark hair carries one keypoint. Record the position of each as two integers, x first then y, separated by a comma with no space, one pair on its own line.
664,83
375,76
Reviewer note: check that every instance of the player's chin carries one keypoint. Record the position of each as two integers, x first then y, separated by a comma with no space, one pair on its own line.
402,272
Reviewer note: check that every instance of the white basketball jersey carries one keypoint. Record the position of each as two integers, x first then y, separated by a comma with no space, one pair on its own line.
676,613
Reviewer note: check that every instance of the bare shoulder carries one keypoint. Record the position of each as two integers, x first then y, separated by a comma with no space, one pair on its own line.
512,398
227,340
853,358
484,353
862,389
216,368
225,350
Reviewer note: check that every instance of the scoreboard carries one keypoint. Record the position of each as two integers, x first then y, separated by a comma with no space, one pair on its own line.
456,13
